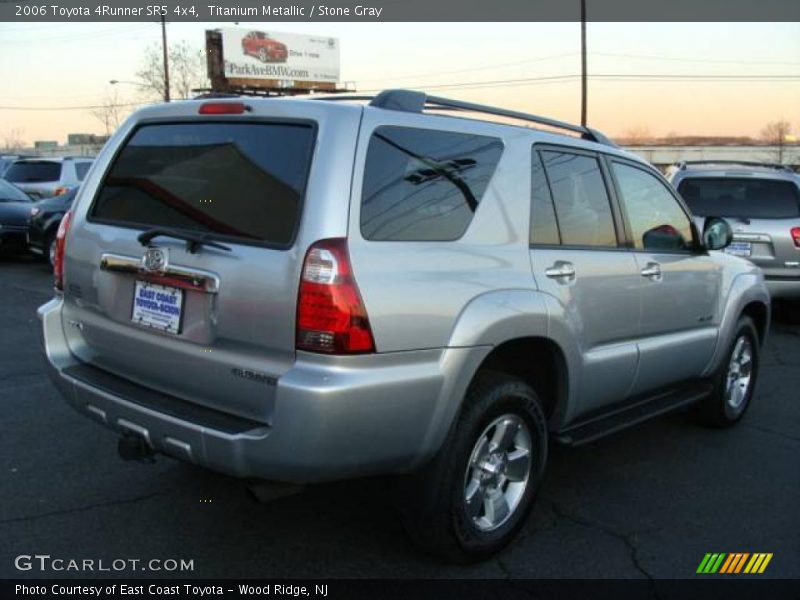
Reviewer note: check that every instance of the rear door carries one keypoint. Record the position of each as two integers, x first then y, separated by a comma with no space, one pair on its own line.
762,213
579,257
212,325
680,285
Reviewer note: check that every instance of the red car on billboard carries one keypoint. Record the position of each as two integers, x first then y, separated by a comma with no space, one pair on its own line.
264,48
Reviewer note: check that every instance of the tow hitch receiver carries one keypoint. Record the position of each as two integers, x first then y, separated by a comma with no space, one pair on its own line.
134,447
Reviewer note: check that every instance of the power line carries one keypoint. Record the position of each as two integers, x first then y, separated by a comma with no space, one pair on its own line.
471,69
124,105
519,81
610,77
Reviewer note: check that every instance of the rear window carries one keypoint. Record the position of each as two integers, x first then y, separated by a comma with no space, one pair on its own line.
424,185
81,168
33,172
741,197
243,181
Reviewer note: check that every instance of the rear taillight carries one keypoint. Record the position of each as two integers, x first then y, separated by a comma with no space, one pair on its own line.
61,246
331,316
60,190
796,236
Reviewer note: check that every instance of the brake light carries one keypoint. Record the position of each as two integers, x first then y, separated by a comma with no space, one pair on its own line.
61,245
796,236
61,190
222,108
331,317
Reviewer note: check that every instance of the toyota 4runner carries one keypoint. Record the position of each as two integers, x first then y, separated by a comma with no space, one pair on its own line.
320,289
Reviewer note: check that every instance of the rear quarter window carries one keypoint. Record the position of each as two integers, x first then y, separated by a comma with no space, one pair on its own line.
243,181
424,185
81,168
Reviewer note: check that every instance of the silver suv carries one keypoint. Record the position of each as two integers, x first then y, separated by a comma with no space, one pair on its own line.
47,177
761,202
310,290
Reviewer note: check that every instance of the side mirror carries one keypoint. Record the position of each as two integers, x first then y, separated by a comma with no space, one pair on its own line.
717,234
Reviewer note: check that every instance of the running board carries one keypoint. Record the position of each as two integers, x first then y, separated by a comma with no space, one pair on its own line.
632,414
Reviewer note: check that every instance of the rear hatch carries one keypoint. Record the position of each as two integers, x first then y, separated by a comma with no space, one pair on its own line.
761,211
211,323
38,178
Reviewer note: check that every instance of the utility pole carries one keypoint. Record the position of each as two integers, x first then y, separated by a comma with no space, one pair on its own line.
583,63
166,60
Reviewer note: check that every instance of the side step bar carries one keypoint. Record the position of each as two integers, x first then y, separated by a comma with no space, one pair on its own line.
631,414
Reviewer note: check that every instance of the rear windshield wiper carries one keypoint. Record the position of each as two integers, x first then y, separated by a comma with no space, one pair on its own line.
193,240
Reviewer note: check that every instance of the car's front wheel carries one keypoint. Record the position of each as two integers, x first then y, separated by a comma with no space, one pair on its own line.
735,381
471,501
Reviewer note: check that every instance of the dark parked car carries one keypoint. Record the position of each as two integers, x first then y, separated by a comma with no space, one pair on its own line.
15,210
45,217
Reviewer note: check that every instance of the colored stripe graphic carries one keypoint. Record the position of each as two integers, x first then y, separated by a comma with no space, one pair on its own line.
734,563
711,563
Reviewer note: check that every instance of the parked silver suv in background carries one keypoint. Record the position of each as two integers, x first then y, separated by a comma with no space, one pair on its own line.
761,202
309,290
47,177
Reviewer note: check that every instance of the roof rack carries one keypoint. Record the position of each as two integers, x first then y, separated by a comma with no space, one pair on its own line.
681,165
413,101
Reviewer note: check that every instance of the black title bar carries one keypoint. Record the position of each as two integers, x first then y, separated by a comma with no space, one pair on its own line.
400,10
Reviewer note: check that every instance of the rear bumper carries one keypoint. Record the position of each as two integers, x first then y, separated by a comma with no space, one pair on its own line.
333,419
783,287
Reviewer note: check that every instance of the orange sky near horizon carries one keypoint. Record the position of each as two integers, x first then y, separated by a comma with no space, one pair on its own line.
70,65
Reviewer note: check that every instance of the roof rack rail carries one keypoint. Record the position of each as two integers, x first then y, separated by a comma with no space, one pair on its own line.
681,165
413,101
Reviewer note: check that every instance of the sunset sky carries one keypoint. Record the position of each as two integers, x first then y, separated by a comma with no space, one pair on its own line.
48,65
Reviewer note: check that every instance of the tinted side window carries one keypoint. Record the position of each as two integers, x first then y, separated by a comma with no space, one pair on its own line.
656,219
544,227
81,168
424,185
581,200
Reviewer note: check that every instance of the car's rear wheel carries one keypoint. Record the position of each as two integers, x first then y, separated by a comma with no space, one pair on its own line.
471,501
262,55
50,248
735,381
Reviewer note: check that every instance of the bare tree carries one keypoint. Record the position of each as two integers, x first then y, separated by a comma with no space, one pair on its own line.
109,111
12,140
776,134
186,68
639,134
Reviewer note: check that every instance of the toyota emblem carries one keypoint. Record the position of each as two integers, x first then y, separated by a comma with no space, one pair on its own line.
155,260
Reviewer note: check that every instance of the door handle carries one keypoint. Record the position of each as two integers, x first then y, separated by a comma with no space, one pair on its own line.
561,270
652,270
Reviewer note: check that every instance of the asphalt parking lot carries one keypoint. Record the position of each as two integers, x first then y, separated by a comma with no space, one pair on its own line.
646,503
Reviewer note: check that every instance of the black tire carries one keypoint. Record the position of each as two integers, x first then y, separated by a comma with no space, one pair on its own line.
717,409
49,248
432,502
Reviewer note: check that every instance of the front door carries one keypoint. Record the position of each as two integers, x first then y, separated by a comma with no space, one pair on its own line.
680,285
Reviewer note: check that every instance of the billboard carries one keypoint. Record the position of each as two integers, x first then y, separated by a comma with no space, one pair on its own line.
289,57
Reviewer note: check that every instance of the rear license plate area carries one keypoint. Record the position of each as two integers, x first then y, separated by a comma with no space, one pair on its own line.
158,307
740,249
